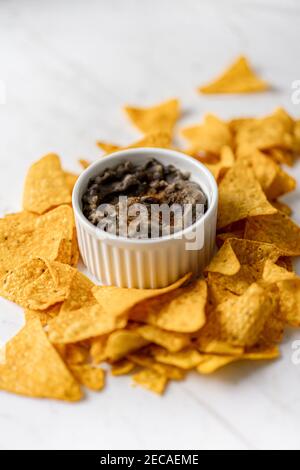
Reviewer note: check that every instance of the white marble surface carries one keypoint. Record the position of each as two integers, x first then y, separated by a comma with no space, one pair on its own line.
69,66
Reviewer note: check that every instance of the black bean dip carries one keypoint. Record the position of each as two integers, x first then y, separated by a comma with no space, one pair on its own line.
112,198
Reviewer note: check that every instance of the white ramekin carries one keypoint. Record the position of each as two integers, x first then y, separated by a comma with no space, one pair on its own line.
149,263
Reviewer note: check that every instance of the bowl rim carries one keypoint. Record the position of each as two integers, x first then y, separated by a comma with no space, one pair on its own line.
148,152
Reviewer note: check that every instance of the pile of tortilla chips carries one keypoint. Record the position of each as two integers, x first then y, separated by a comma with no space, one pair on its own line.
237,311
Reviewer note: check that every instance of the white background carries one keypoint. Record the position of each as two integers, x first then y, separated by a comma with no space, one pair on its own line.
69,67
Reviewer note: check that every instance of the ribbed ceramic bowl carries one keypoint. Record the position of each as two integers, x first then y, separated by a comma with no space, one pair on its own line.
153,262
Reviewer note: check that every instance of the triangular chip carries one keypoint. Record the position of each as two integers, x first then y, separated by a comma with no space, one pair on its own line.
34,368
242,320
51,236
71,326
151,380
91,377
123,342
172,341
45,186
241,196
118,300
170,312
161,117
187,359
211,136
37,284
238,78
277,229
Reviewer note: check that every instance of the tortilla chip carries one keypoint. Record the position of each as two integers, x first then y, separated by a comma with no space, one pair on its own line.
123,342
277,229
264,353
241,196
170,372
34,368
236,252
108,147
44,316
98,348
161,117
187,359
84,163
151,380
71,326
242,320
282,207
289,291
46,186
71,179
238,78
91,377
226,161
24,236
172,341
37,284
122,367
170,312
273,180
267,133
209,137
212,363
225,261
214,346
80,294
120,300
76,354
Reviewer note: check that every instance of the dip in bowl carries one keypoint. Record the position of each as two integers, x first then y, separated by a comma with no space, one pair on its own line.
125,252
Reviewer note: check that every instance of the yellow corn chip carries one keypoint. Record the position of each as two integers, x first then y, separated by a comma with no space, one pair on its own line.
212,363
108,147
273,180
23,237
161,117
84,163
45,316
225,261
172,341
241,196
89,376
151,380
76,354
71,326
80,294
277,229
71,179
98,348
122,367
46,186
214,346
187,359
170,313
209,137
37,284
171,372
238,78
123,342
34,368
242,320
226,161
120,300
